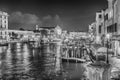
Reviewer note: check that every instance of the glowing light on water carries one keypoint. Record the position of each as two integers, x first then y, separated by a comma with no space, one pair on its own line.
18,45
25,48
3,49
0,49
26,57
58,62
18,48
33,52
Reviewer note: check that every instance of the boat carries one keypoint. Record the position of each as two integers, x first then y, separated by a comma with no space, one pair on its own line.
73,60
3,44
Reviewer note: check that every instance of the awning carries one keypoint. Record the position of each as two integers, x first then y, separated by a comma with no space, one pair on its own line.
103,50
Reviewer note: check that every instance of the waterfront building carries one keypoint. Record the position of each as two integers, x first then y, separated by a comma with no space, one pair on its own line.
20,35
3,26
78,35
108,22
113,24
99,26
64,34
51,32
92,32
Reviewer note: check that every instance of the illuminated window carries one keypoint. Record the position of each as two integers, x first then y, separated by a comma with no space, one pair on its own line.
111,14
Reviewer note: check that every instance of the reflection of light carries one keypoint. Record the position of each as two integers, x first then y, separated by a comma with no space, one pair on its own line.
57,67
0,49
18,49
9,49
9,46
33,52
18,45
26,57
9,57
25,48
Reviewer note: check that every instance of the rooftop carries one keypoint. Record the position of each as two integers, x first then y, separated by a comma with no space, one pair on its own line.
48,27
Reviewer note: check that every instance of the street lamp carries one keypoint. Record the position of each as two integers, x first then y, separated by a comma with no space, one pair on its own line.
107,36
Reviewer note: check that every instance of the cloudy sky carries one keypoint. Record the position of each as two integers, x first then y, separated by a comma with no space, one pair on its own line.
72,15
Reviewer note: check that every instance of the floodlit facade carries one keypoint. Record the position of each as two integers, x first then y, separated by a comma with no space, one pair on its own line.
50,32
113,24
92,31
108,22
21,35
78,35
3,26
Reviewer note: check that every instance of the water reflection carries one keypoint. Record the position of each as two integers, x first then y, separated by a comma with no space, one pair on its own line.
20,61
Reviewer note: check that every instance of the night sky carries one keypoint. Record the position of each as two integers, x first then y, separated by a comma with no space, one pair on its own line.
71,15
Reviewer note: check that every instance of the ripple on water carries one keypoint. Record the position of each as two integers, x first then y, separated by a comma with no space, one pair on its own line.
26,63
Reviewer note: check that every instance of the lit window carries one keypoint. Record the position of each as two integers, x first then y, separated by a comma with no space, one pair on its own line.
111,14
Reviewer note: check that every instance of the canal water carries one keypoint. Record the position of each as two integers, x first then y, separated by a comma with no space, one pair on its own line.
22,61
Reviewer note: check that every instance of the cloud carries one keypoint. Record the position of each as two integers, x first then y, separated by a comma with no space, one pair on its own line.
50,21
20,20
48,17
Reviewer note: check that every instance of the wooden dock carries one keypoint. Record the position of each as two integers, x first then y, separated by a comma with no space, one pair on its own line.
76,53
73,60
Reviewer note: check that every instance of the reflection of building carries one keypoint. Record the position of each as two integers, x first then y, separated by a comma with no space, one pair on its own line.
3,25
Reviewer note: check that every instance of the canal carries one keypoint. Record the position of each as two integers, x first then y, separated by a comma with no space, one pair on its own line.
21,61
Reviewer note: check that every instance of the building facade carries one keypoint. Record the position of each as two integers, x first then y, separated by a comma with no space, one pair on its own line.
20,35
99,26
113,24
92,32
78,35
50,32
3,26
108,23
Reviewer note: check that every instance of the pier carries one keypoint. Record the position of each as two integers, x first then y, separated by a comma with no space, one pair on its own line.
75,54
